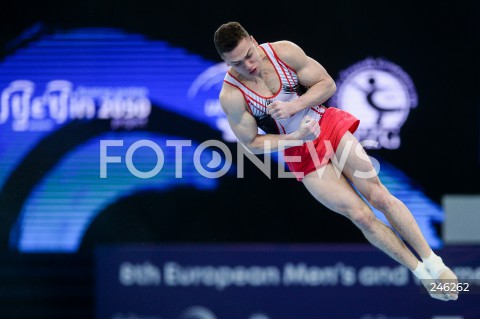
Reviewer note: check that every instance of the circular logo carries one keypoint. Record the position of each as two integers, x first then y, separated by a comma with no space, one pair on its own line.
380,94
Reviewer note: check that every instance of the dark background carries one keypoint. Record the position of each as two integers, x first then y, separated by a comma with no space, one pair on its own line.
435,43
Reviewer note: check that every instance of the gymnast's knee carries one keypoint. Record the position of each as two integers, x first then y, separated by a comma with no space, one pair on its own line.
362,216
380,197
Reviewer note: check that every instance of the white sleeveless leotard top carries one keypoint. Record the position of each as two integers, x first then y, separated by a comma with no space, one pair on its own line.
290,89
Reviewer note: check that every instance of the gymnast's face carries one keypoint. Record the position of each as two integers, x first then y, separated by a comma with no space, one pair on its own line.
245,58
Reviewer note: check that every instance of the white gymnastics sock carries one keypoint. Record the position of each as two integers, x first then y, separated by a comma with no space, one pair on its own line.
421,272
434,264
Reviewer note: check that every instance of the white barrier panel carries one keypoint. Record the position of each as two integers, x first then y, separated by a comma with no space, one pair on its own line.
462,219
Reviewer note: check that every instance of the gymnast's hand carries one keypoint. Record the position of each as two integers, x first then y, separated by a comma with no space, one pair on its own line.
281,110
309,129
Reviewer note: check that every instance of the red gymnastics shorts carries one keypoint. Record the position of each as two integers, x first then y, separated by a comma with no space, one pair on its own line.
333,125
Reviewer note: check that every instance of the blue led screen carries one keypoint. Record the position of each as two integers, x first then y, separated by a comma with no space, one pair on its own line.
65,92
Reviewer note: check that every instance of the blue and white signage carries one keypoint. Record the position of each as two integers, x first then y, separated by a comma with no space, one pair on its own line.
271,282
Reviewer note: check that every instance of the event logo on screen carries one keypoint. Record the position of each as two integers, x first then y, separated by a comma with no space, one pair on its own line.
28,110
380,94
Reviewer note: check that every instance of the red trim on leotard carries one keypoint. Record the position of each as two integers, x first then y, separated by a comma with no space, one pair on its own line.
245,97
278,58
247,101
265,97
